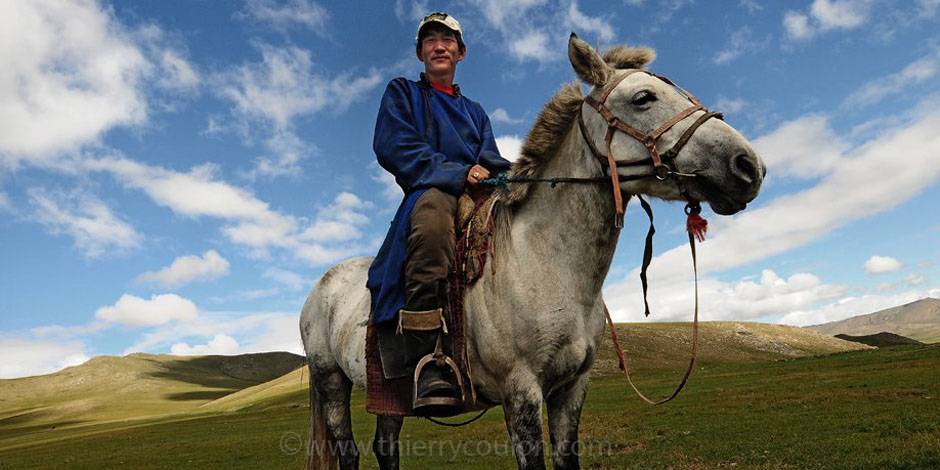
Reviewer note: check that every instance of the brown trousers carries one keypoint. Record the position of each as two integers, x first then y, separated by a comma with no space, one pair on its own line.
430,253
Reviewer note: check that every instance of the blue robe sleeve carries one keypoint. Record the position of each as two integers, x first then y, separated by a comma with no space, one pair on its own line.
401,149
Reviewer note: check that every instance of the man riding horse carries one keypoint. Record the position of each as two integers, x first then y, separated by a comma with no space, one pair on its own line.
435,141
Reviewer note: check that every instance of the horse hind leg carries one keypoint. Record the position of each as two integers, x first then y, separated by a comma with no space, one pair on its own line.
385,445
331,438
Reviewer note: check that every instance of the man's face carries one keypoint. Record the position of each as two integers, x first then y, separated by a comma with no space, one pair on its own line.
440,53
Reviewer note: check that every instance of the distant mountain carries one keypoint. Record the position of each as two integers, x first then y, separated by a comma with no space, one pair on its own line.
918,320
880,340
109,388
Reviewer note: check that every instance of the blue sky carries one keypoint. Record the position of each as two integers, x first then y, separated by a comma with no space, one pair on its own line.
175,175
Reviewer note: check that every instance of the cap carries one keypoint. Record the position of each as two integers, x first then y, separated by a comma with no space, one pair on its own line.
442,18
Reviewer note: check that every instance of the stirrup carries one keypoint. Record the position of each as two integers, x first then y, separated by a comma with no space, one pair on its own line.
437,406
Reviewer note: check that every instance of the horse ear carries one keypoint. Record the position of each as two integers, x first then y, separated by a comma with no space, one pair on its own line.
587,63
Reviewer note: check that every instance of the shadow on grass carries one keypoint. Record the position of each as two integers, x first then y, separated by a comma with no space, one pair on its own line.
200,395
226,372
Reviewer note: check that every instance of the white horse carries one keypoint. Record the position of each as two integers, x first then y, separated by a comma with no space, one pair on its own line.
535,320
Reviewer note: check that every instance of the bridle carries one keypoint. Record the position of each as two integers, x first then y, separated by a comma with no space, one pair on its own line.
663,169
662,163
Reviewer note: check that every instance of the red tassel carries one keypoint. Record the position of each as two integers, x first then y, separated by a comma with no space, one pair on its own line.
697,226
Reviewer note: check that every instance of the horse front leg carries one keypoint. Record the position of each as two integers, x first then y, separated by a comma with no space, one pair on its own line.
522,407
564,414
385,445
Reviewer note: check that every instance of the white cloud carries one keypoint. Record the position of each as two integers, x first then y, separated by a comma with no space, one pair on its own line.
740,43
882,265
668,8
751,6
500,115
279,334
290,279
803,148
928,8
730,105
339,221
5,202
185,269
174,72
585,25
914,279
854,189
520,26
134,311
720,300
797,25
506,13
532,45
249,294
876,90
253,330
854,306
411,10
885,287
193,194
92,224
285,85
388,187
220,344
840,14
510,146
70,72
826,15
283,15
177,72
288,149
250,221
25,357
537,30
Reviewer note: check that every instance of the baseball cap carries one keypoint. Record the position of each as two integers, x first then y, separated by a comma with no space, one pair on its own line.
442,18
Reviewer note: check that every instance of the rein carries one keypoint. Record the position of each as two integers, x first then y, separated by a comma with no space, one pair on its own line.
696,226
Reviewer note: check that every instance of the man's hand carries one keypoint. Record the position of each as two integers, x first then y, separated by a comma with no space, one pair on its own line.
476,174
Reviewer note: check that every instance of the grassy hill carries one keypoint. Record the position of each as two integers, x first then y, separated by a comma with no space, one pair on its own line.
648,347
872,408
146,396
918,320
110,388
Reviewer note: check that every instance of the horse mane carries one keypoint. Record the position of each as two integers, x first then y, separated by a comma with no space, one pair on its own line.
545,137
556,118
623,57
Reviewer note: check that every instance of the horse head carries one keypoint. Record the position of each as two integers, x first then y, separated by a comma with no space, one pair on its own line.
638,116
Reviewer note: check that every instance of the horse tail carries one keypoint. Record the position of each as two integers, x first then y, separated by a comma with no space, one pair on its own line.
320,455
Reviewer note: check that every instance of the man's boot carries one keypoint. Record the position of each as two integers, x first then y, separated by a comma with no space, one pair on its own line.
437,389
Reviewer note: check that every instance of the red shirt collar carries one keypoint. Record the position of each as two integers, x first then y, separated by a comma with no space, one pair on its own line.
450,90
446,89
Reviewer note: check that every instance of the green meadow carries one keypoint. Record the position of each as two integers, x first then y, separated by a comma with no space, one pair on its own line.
863,409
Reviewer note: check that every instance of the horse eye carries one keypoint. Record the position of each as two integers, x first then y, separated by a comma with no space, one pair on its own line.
643,97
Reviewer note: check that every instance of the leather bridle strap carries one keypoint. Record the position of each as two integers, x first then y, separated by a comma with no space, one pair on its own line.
687,135
694,354
661,163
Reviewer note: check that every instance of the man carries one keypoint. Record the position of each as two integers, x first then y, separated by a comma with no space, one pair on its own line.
435,141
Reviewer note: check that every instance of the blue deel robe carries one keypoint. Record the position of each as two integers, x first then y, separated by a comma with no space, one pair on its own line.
459,137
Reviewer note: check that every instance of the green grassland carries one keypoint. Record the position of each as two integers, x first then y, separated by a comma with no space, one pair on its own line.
756,400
